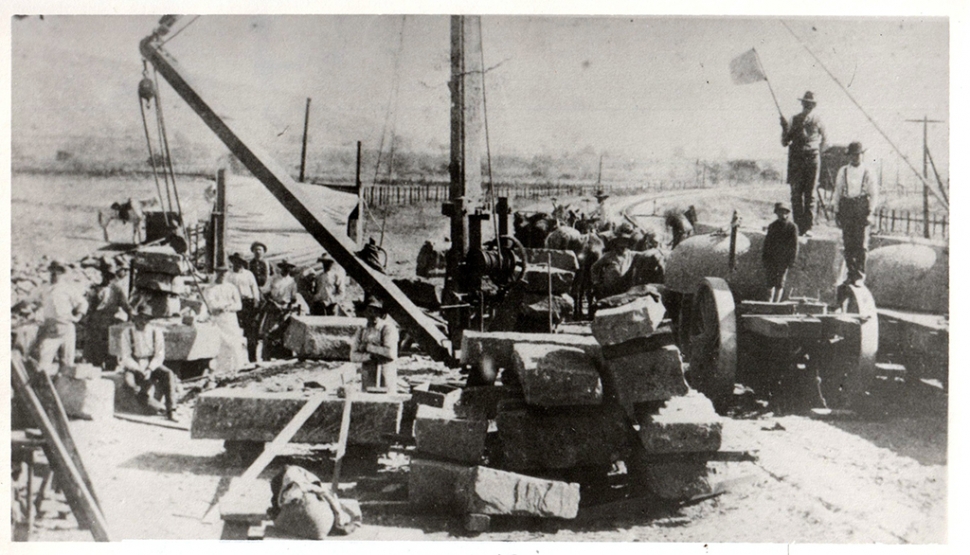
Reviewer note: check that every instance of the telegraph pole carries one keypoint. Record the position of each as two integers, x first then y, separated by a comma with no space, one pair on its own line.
926,196
306,127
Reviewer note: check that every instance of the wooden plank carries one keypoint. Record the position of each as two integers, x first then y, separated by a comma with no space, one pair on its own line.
246,501
342,442
151,421
82,501
286,434
766,326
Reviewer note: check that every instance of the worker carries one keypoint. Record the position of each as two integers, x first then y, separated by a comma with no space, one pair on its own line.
601,213
610,274
249,294
223,301
111,307
280,301
805,138
328,288
262,270
855,198
375,348
780,251
62,305
142,356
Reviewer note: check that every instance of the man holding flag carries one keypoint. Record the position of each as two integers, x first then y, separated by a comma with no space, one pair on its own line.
804,137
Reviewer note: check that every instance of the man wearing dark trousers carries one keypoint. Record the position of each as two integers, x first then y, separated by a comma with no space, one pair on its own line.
855,197
141,356
779,251
805,139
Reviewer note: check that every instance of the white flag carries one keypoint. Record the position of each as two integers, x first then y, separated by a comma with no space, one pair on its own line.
746,69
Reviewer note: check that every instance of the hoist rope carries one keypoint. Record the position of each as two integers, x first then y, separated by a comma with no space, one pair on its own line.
490,190
168,153
151,157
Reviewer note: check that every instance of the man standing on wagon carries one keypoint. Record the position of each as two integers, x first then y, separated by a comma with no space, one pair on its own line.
855,197
779,252
805,139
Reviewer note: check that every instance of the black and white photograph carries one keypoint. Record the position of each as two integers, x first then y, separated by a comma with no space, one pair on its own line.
454,273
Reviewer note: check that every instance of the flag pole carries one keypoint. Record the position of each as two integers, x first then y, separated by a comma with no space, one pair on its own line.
765,73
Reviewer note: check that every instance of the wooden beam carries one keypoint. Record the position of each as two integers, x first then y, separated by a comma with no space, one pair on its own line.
275,178
286,434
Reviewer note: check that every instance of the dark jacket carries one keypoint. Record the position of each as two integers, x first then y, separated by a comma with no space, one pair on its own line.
781,244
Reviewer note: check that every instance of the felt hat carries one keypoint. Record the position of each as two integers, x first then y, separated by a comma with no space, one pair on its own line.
601,194
284,264
374,302
808,97
325,257
625,231
57,266
855,148
255,244
782,207
236,257
143,311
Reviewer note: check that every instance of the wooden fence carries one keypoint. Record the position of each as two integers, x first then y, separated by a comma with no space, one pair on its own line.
401,194
906,222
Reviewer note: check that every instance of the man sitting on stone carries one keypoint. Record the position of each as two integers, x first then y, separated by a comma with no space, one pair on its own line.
142,354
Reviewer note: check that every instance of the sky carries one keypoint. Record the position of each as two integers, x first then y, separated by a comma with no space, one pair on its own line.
633,87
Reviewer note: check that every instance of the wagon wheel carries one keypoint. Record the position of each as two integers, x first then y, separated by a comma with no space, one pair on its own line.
848,380
712,349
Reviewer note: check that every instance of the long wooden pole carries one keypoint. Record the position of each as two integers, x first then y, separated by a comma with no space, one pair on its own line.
306,128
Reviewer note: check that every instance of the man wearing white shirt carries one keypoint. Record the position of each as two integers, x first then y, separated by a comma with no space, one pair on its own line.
856,196
62,305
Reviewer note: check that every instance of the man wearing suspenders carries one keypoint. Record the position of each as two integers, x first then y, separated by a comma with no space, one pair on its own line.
856,196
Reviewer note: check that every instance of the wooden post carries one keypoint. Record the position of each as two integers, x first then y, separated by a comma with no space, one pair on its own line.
219,215
306,127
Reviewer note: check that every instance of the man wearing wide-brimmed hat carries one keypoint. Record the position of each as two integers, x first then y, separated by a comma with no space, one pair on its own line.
855,197
601,213
262,270
779,252
805,139
328,288
375,348
610,274
281,300
112,307
141,355
62,305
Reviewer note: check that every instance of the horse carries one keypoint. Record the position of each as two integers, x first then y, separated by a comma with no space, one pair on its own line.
129,212
680,224
532,230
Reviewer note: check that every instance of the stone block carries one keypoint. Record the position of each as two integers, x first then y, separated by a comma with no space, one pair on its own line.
483,490
553,376
453,439
675,480
86,396
638,318
563,260
535,306
195,342
651,376
155,281
163,260
322,337
663,337
422,292
437,399
537,276
481,402
530,440
686,424
245,415
431,485
494,350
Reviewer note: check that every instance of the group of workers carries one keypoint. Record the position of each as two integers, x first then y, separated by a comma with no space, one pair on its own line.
854,200
248,304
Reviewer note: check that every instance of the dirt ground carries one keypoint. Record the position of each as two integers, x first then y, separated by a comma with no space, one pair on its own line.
881,479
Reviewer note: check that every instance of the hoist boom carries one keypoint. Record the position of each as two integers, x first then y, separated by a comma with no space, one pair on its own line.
289,193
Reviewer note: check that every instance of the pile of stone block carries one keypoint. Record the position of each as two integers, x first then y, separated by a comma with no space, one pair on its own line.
568,411
157,273
527,306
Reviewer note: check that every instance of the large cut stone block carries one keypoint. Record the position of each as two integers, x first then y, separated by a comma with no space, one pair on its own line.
535,306
553,376
451,438
489,491
494,350
86,395
239,414
563,260
481,402
162,260
531,440
155,281
675,480
537,279
431,485
639,318
439,396
322,337
651,376
686,424
663,337
182,342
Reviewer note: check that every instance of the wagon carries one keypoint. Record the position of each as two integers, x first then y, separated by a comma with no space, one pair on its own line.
810,350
